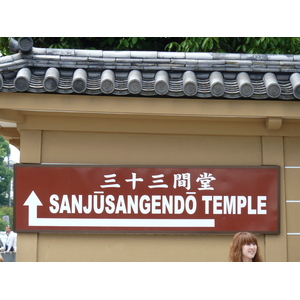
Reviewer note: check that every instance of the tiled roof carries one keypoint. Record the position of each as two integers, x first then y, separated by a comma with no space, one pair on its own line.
149,73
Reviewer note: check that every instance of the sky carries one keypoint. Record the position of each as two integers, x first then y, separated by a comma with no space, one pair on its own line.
14,154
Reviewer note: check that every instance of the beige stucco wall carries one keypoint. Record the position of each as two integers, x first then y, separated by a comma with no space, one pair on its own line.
145,131
292,175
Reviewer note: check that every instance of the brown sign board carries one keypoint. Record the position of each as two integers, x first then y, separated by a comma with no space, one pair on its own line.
148,199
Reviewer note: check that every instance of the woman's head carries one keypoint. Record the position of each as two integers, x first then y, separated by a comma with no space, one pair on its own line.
244,247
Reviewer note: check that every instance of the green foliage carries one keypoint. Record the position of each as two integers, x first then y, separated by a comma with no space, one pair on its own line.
6,211
271,45
263,45
196,44
103,43
5,179
4,149
130,43
5,173
3,224
4,46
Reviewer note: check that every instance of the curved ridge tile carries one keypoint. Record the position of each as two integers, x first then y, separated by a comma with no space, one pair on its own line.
244,83
189,83
161,86
295,81
135,83
216,84
51,80
22,80
79,81
107,84
272,86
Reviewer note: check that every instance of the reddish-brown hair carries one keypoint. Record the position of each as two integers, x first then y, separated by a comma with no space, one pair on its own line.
239,240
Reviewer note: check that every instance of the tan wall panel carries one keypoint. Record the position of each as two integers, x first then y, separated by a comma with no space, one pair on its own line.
273,154
103,148
27,247
292,146
293,217
153,124
31,146
153,149
293,248
86,247
292,158
149,106
162,132
292,175
292,184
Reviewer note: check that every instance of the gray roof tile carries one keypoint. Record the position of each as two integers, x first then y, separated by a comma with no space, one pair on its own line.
143,54
170,55
200,56
151,73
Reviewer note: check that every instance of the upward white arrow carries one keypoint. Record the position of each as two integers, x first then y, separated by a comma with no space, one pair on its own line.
33,202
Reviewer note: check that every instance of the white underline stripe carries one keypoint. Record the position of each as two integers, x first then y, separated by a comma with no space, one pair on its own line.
293,233
296,201
292,167
80,222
